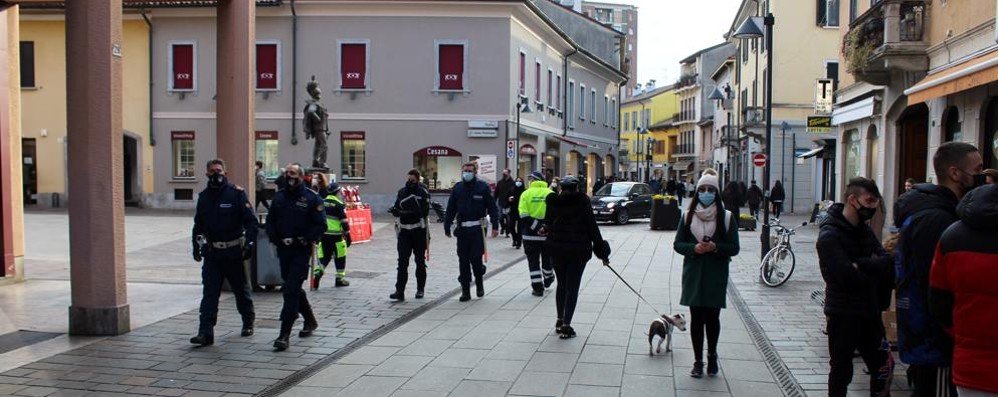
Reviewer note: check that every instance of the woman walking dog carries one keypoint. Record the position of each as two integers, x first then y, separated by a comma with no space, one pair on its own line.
707,239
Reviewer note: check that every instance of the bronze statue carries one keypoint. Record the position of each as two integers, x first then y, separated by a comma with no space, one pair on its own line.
316,124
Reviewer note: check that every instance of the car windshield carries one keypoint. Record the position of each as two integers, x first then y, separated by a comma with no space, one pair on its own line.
613,189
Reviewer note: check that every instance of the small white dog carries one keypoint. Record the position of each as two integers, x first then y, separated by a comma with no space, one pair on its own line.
662,327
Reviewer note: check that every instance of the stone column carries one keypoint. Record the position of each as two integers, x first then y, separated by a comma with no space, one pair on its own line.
235,115
96,211
11,185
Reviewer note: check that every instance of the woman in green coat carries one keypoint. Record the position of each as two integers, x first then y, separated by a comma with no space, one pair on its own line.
707,239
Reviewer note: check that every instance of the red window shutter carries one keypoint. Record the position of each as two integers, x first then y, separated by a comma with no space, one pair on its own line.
183,66
451,67
353,66
537,82
266,66
523,74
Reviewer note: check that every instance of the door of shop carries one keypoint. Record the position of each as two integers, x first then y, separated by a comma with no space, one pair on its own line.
913,148
29,160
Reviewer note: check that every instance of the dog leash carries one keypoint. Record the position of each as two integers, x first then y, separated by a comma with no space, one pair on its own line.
632,289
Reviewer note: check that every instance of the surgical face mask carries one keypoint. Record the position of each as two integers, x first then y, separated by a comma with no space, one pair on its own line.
216,180
519,183
467,176
292,180
707,198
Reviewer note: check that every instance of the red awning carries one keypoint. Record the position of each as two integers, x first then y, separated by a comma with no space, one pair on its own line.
573,142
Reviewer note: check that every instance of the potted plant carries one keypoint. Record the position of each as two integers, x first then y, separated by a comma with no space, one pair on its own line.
664,212
746,222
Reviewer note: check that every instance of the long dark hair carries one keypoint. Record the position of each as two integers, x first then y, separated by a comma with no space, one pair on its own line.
690,212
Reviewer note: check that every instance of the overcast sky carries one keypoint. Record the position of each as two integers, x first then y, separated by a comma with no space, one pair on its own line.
670,30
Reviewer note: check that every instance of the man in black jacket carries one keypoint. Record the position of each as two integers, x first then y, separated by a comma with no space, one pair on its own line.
858,278
504,190
922,215
754,199
412,206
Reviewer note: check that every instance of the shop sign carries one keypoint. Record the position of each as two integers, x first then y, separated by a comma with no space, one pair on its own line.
441,151
182,135
482,133
266,135
824,96
352,135
819,124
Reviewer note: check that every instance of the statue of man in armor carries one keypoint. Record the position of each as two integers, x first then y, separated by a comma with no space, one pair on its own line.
316,124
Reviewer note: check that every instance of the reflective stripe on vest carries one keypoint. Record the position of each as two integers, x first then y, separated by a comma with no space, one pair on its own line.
334,225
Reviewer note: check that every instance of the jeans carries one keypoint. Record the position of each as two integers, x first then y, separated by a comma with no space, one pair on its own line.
569,273
470,247
847,334
294,271
213,272
411,243
704,320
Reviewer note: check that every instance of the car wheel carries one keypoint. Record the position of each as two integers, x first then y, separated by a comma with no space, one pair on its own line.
622,217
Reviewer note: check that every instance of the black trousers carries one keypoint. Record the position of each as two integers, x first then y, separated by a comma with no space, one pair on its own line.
539,262
704,320
470,247
294,271
847,334
931,381
513,220
569,272
213,272
261,197
503,220
754,210
411,243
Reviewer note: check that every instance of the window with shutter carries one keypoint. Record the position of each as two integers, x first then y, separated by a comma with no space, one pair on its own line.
267,66
353,66
182,64
451,66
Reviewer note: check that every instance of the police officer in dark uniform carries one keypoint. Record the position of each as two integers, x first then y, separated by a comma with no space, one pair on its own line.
224,235
412,207
470,201
296,221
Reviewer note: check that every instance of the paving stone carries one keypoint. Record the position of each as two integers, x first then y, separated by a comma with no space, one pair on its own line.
533,383
427,347
645,385
337,376
603,354
481,388
597,374
707,383
436,379
737,370
513,351
552,362
373,386
36,391
369,355
497,370
406,366
591,391
459,358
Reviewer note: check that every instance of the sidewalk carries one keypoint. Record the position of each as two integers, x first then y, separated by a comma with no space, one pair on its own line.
504,343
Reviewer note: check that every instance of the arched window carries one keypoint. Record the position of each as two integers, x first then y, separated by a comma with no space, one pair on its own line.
951,125
873,149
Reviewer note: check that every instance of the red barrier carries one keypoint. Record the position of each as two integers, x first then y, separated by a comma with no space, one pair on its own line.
361,227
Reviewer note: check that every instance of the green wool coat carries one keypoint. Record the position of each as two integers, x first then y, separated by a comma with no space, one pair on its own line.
705,277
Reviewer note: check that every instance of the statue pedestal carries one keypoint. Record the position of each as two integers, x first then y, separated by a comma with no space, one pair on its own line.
317,170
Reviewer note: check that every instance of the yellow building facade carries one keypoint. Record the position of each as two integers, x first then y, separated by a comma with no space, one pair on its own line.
639,115
44,109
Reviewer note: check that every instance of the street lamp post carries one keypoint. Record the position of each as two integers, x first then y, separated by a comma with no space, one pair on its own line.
720,98
793,172
521,107
750,30
783,157
648,157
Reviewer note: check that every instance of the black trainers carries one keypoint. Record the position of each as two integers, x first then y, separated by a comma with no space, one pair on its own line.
697,371
342,282
548,281
557,326
712,364
566,332
419,294
203,340
398,296
538,292
246,331
282,343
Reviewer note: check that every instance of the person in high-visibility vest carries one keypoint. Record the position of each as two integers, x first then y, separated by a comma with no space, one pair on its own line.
532,210
334,243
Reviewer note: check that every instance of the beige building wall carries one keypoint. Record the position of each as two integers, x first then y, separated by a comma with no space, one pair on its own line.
44,106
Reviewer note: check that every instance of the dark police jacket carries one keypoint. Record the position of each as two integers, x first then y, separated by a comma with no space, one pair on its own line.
412,204
469,202
223,215
296,212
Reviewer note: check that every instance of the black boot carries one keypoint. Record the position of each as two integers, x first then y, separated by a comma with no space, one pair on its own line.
420,286
697,371
465,293
479,287
397,296
310,324
712,364
282,342
203,340
419,293
247,326
538,290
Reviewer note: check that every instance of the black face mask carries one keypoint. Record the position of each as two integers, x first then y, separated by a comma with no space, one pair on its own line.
216,180
866,213
979,180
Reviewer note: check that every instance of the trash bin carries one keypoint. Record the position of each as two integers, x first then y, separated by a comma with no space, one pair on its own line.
265,267
664,214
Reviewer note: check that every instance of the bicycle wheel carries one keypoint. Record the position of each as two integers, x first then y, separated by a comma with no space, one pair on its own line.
777,266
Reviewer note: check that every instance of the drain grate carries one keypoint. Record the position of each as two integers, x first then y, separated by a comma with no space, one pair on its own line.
18,339
300,376
784,378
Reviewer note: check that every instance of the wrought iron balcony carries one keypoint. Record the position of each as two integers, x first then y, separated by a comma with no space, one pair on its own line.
890,36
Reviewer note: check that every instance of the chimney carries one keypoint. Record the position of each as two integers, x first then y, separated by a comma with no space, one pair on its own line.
651,85
637,89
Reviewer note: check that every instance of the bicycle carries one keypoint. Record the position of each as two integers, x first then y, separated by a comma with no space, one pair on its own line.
779,262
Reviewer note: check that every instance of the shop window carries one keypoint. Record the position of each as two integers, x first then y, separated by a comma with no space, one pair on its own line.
183,66
183,154
527,161
27,64
353,154
267,146
952,125
268,66
852,154
353,65
451,60
440,165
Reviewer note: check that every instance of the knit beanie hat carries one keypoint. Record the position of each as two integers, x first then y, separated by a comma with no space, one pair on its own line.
709,178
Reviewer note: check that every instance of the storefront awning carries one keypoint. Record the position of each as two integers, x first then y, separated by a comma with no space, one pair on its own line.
681,165
573,142
974,73
811,153
853,111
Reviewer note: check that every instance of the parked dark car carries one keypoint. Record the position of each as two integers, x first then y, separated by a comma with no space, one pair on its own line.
619,202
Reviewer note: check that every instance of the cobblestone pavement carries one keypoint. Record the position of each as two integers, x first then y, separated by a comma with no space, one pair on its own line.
504,344
157,359
792,320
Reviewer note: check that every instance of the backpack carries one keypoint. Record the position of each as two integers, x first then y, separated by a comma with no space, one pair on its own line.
913,321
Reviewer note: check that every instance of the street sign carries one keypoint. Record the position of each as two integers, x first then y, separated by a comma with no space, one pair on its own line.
759,160
823,96
509,153
819,124
510,144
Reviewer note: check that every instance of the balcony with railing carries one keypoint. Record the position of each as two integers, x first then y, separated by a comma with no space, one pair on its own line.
889,36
